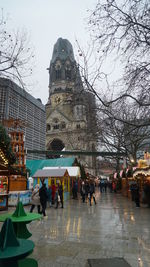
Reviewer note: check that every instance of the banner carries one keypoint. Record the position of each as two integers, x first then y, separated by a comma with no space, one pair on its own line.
23,196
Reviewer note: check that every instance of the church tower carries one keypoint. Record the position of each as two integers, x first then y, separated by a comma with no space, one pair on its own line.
70,111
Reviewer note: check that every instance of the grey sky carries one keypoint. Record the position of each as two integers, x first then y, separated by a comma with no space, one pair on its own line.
45,21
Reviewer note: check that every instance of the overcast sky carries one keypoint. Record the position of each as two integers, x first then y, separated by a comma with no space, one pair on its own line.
45,21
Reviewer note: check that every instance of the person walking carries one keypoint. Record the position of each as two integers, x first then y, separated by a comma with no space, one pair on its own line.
92,192
53,192
114,187
105,186
43,198
87,189
60,196
101,186
132,190
35,199
137,195
83,192
49,196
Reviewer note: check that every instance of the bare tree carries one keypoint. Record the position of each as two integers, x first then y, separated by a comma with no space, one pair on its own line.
118,136
15,54
122,28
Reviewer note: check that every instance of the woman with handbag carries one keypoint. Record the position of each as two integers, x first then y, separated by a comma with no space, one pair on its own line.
35,199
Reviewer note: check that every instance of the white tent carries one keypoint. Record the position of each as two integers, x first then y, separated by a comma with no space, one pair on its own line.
73,171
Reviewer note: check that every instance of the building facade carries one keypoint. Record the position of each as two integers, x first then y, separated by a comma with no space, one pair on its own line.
16,103
70,111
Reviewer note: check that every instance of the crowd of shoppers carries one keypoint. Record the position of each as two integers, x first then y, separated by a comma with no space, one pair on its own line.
43,196
53,195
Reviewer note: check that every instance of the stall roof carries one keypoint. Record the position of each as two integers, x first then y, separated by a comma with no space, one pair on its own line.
142,171
50,173
35,165
73,171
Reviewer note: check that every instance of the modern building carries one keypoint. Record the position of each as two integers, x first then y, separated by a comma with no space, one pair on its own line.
16,103
70,111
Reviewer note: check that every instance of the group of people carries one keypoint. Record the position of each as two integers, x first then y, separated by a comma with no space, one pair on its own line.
138,197
105,184
41,196
88,191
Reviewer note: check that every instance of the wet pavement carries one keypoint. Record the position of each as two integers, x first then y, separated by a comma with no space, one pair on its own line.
112,228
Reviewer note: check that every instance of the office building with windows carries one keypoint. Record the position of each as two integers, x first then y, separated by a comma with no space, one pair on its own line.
17,103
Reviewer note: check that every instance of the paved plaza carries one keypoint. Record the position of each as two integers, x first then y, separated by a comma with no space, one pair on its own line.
112,228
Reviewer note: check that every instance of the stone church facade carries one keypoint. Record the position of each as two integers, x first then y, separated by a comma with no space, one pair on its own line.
70,111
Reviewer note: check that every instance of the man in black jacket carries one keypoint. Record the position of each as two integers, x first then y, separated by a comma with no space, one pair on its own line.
92,192
43,197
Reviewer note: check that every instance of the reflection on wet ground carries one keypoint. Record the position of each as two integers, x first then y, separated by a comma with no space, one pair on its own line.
112,228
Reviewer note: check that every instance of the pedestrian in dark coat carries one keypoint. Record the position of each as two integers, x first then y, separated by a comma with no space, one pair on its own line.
101,186
137,195
92,193
43,197
83,192
60,193
59,196
87,188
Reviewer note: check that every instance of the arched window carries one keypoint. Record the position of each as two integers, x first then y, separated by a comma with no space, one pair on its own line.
56,127
58,74
68,74
55,124
58,70
68,71
48,127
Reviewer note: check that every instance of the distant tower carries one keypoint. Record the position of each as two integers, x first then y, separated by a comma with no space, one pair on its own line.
70,111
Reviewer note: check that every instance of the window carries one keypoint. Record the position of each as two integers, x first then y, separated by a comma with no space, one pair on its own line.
78,126
68,74
48,127
58,70
58,74
55,120
67,71
56,126
63,126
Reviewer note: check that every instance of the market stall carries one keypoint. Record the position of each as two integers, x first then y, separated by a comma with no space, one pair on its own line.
55,176
74,174
13,182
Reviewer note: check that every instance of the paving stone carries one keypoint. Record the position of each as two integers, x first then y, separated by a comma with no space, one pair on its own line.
113,262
